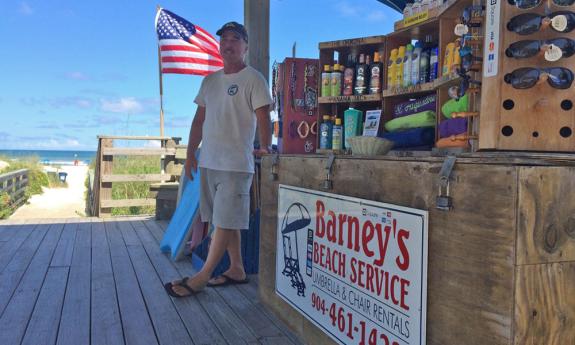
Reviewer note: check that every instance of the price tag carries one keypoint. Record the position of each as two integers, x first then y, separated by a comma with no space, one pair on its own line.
553,53
559,22
461,29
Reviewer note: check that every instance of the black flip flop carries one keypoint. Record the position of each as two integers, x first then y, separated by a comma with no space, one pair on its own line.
228,281
169,287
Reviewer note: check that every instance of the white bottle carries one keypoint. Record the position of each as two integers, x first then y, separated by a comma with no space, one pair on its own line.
407,65
415,58
407,10
424,5
416,7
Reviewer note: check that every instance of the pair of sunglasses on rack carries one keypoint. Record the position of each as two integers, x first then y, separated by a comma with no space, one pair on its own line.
530,4
554,49
529,23
527,77
458,91
468,60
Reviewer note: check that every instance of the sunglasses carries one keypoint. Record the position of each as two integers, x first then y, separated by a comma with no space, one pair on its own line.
458,91
529,48
527,77
529,23
529,4
468,60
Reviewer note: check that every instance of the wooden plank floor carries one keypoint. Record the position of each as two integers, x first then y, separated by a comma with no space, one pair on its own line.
94,281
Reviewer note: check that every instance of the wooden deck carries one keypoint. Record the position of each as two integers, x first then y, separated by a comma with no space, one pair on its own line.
89,281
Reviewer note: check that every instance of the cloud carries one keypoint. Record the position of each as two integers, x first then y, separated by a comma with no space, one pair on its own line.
152,143
121,105
76,76
347,10
178,121
58,102
376,16
47,125
25,9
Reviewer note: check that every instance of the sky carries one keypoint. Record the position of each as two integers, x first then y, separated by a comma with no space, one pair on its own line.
73,70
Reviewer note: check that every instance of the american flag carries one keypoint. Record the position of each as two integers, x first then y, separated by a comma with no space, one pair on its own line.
186,48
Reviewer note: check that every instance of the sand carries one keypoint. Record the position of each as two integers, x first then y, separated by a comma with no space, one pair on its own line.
58,202
3,165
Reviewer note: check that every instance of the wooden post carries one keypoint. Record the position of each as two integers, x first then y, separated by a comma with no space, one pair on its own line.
257,23
106,169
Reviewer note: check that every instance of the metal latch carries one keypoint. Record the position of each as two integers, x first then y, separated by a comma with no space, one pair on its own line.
274,168
327,183
443,200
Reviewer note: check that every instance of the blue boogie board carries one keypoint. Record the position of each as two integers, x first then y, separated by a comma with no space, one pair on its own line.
181,223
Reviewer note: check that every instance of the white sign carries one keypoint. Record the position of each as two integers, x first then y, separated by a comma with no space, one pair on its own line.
491,49
355,268
371,124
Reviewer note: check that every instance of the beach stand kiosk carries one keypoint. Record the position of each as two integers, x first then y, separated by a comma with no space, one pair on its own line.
470,242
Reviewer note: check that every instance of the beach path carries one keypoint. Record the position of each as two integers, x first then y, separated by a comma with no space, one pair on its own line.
58,202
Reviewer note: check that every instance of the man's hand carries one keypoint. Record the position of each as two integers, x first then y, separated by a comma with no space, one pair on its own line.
191,163
261,151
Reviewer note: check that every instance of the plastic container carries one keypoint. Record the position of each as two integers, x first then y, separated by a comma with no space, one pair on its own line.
424,66
399,66
337,135
375,75
415,60
448,60
336,86
326,81
433,63
391,69
348,76
407,65
352,118
325,132
407,10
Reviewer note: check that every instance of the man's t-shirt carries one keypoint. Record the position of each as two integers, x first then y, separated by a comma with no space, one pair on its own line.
230,125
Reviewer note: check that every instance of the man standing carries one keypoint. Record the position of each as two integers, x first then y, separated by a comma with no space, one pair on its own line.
230,103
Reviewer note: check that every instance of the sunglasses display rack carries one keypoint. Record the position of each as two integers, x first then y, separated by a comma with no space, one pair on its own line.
352,59
528,78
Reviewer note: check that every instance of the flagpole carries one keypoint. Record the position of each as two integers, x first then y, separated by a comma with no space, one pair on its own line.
158,8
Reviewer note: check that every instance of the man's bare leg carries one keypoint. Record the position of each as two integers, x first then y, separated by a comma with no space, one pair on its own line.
218,246
236,270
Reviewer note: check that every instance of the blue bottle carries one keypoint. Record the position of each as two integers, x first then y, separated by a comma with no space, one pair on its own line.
325,131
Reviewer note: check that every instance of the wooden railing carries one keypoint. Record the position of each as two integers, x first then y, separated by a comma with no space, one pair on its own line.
14,184
100,193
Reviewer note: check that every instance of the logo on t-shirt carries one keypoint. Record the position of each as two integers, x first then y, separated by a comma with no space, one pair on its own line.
232,90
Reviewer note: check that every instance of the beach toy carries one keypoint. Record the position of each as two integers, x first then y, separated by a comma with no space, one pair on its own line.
185,221
453,106
423,119
416,137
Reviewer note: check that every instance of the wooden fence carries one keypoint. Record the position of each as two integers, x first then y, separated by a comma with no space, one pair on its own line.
14,184
100,192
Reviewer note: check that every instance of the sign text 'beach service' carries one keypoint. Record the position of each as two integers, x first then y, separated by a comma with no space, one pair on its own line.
355,268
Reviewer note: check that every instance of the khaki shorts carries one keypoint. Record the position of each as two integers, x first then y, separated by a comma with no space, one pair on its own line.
225,198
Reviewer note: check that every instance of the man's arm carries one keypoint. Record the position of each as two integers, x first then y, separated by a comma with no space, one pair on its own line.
194,141
264,129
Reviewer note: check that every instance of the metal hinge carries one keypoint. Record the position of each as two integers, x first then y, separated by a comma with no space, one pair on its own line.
443,201
327,183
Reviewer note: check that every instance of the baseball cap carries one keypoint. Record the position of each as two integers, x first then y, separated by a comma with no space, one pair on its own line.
236,27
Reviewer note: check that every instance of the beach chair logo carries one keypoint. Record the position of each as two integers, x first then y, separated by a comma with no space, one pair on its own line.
296,218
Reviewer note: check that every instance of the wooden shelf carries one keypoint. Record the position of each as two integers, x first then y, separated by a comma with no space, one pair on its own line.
446,81
449,9
420,88
350,99
352,42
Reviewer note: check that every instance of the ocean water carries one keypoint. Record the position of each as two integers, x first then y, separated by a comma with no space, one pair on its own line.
56,157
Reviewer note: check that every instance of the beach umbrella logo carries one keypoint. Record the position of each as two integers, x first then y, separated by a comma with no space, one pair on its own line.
296,218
